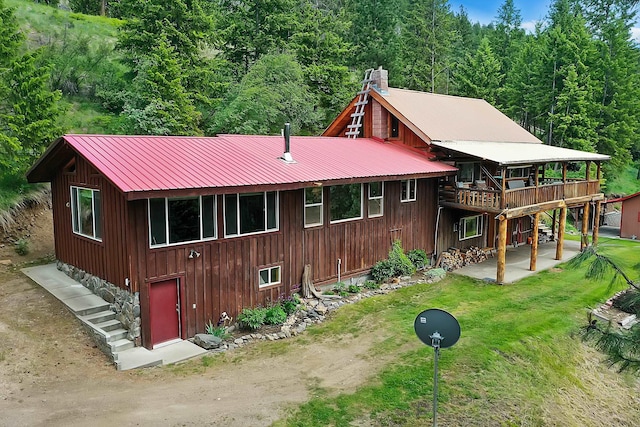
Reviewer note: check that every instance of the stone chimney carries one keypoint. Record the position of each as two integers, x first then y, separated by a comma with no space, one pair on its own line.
380,79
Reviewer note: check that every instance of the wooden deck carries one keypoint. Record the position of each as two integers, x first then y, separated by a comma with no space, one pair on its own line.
490,200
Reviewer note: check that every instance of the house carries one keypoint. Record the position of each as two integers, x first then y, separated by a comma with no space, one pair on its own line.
630,215
193,227
503,186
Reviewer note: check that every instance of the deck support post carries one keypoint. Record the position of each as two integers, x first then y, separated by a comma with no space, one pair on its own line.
534,243
584,238
596,224
561,225
502,249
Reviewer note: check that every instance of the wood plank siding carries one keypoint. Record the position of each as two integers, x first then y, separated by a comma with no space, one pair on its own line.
100,258
225,276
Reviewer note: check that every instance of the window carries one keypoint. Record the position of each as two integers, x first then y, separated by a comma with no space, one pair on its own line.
312,206
181,219
408,190
86,212
470,226
468,172
394,132
345,202
518,172
269,276
250,213
376,190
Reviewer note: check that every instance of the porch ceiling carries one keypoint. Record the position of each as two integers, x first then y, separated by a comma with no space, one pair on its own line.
517,153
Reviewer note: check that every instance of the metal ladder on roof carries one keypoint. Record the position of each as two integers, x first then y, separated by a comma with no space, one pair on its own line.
353,129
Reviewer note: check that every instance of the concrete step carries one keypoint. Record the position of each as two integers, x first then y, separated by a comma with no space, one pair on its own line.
116,335
120,345
99,317
109,325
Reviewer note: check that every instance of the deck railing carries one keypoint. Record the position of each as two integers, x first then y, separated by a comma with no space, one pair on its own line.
547,191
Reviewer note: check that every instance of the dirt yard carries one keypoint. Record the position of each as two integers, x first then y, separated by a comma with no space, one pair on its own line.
51,374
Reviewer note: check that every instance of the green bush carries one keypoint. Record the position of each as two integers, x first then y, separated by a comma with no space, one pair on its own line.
275,315
382,271
252,318
290,305
371,284
22,247
218,331
353,288
418,258
340,289
402,265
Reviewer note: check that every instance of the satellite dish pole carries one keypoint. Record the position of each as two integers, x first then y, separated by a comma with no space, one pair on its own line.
438,329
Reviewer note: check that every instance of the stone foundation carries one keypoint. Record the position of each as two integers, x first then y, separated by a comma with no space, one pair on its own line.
125,304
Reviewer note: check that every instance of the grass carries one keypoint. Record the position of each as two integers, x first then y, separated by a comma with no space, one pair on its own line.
625,183
518,345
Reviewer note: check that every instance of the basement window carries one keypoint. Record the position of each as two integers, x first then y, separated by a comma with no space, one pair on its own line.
86,212
312,206
470,227
408,190
250,213
181,220
376,200
345,202
269,276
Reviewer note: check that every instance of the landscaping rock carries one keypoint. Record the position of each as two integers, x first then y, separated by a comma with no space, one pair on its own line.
207,341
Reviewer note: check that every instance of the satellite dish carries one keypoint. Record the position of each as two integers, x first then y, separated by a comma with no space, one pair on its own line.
435,321
438,329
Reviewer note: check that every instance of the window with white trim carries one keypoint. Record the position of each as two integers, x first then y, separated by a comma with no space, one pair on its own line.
345,202
181,220
269,276
250,213
408,190
312,206
86,212
470,226
376,199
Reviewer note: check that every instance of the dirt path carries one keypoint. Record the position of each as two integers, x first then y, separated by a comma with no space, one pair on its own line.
52,374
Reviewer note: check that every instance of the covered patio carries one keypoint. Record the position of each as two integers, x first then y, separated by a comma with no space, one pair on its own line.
517,262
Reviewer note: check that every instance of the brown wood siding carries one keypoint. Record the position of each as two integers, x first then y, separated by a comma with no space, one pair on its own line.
225,276
106,259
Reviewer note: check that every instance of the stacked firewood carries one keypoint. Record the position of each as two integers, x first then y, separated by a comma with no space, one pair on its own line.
456,258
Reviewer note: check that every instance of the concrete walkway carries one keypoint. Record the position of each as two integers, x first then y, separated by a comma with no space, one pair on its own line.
518,260
83,303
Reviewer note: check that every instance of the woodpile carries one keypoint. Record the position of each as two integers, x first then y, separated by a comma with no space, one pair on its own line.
457,258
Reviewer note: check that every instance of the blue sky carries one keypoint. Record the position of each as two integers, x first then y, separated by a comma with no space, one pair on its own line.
531,11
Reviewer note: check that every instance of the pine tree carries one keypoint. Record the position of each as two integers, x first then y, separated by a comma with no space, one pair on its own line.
10,36
428,37
480,76
158,103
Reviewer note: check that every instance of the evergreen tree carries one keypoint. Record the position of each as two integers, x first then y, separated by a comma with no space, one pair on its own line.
10,36
480,76
246,30
272,92
158,103
29,115
428,37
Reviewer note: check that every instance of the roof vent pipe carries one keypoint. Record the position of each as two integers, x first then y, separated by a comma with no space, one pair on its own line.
287,143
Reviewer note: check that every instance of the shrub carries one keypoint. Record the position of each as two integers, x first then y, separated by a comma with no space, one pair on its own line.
340,289
275,315
353,288
418,258
382,271
290,305
218,331
371,284
402,265
22,247
252,318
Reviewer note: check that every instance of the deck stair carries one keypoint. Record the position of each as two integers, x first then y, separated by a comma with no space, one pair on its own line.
353,129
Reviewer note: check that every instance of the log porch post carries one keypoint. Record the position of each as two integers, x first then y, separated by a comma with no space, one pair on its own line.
534,243
596,224
502,249
584,238
561,226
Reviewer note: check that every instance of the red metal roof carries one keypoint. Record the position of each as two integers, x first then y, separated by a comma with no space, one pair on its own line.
156,163
623,198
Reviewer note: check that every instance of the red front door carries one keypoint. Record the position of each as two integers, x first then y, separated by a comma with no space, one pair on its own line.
164,306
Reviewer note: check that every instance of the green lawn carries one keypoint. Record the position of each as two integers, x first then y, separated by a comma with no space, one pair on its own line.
518,345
